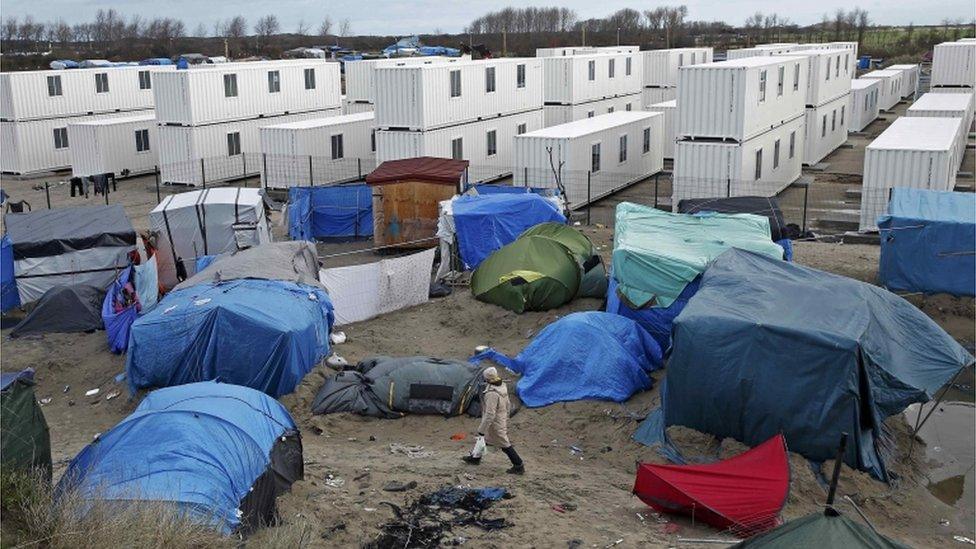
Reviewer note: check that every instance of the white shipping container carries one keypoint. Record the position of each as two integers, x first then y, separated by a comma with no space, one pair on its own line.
192,155
740,99
360,84
207,94
661,66
349,107
554,115
890,91
825,129
761,166
947,105
581,78
616,150
669,110
435,96
33,95
763,50
39,145
918,152
954,64
909,78
338,144
828,75
653,96
564,51
123,146
472,142
863,106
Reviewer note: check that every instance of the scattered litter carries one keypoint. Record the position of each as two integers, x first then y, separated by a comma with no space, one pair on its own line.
372,438
337,338
361,476
396,486
369,509
964,539
412,451
120,378
641,517
45,401
480,349
112,395
352,439
428,520
944,522
575,450
618,542
558,508
459,436
334,481
576,223
568,506
92,392
336,361
66,389
71,403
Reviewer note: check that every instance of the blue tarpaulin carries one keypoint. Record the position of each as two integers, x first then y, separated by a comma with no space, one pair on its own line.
9,297
928,242
494,188
200,447
118,324
341,211
483,224
767,347
585,355
656,320
263,334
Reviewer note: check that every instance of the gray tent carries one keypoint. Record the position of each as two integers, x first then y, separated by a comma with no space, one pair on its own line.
294,261
392,387
64,309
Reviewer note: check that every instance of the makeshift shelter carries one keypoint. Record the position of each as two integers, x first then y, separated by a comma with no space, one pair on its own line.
927,242
743,494
780,348
64,309
334,212
205,222
767,207
9,298
257,318
585,355
68,246
221,453
24,439
406,194
393,387
658,257
547,266
483,224
819,531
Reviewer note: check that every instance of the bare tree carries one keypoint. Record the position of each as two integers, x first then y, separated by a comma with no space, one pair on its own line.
674,20
326,27
302,28
9,29
862,24
839,21
236,27
200,31
344,28
62,32
267,26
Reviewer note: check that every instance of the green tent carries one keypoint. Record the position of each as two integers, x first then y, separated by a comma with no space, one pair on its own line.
820,530
24,439
547,266
657,253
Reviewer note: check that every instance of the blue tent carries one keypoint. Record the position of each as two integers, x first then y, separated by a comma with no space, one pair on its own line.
483,224
341,211
928,242
263,334
767,347
9,296
585,355
220,453
118,324
656,320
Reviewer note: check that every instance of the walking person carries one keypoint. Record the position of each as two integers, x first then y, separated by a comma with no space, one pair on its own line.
493,430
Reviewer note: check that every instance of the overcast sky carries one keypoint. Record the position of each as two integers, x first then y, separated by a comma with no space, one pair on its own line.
397,17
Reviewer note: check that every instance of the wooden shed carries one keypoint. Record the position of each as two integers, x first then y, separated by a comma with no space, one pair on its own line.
406,195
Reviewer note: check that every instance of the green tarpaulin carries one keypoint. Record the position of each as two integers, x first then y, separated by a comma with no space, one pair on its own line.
24,437
656,253
820,531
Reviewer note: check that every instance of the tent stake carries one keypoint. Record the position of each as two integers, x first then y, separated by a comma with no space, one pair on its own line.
829,507
919,422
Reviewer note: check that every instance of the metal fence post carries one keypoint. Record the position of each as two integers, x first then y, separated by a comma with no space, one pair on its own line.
806,196
106,193
156,172
310,181
589,206
525,176
47,193
728,188
203,172
264,161
244,168
359,168
655,188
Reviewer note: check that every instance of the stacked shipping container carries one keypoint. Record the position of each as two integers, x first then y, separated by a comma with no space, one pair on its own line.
360,78
669,110
863,105
889,94
947,105
576,85
954,65
661,71
123,146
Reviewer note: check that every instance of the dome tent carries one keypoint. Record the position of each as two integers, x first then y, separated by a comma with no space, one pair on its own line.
24,439
220,453
818,531
64,309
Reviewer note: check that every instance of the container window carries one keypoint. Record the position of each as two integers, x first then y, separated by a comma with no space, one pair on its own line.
792,143
610,68
627,65
833,121
520,75
337,149
230,85
310,79
101,82
823,127
274,81
780,81
609,109
828,69
456,83
595,158
681,59
145,80
646,148
372,140
758,164
60,138
776,154
796,77
590,114
54,86
142,140
837,70
622,154
867,99
457,148
491,140
847,62
234,144
628,107
843,108
762,85
489,79
520,129
592,70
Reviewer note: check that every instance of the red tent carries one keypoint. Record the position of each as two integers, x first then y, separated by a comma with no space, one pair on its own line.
744,494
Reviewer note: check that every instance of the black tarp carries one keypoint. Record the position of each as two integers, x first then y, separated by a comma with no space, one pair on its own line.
44,233
758,205
64,309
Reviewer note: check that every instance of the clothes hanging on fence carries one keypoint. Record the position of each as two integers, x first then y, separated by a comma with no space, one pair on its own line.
77,183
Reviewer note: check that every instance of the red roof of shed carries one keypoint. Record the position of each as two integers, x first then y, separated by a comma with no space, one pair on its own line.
427,168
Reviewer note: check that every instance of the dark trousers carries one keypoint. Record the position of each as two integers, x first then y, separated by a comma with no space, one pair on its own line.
512,455
77,183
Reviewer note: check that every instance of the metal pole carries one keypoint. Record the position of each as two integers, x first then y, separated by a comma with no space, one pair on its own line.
836,476
525,176
728,188
656,176
106,193
244,167
47,193
156,172
310,182
588,205
203,172
359,168
806,197
264,160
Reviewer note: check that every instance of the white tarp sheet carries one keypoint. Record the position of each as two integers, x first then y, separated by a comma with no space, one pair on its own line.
361,292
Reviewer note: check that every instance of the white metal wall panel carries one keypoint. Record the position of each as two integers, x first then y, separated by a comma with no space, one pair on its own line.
863,106
566,79
954,64
286,145
360,85
110,146
724,100
653,96
564,51
572,149
764,50
29,146
668,109
349,107
398,144
825,129
24,95
947,105
196,96
890,91
553,115
704,169
909,79
828,75
661,66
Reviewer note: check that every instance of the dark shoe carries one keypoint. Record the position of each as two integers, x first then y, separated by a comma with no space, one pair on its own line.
471,460
516,470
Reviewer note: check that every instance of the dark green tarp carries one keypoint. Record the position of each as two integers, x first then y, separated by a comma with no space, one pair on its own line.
24,437
821,531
